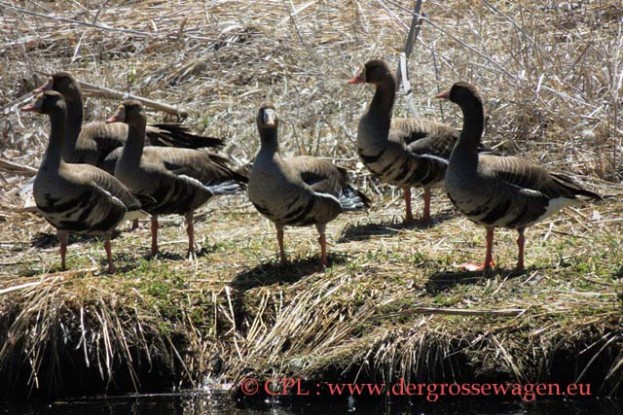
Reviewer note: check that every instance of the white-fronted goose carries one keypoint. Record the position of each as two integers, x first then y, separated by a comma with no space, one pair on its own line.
91,143
76,198
405,152
497,191
297,191
169,180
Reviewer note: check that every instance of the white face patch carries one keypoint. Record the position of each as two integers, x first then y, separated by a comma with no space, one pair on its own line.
269,116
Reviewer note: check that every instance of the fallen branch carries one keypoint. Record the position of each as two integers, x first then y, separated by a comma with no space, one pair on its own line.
19,287
100,91
463,312
15,168
103,92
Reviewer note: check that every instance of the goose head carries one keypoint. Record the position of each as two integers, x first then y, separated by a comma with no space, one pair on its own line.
375,72
267,117
460,93
46,102
130,112
62,82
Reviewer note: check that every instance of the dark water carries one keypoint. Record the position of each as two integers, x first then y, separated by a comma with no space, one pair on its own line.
212,404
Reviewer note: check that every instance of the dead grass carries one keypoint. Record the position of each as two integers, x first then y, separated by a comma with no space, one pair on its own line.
551,77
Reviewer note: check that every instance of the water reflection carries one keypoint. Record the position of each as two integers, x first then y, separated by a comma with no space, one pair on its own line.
214,403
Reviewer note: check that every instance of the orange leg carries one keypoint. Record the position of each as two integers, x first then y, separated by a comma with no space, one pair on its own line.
322,239
282,252
426,216
488,264
62,238
154,235
108,248
521,240
190,230
406,190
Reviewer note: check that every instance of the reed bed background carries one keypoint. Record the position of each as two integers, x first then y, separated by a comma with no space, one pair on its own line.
392,304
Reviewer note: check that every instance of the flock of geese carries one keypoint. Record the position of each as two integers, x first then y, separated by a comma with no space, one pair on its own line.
94,176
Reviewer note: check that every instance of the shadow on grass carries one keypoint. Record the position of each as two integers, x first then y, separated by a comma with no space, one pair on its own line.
169,255
441,281
124,262
275,273
362,232
179,255
45,240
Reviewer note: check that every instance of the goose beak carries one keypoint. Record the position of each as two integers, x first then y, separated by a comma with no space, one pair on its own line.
357,80
269,117
34,105
45,87
118,116
30,107
443,95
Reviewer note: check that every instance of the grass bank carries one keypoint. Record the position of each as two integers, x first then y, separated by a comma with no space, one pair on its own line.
392,304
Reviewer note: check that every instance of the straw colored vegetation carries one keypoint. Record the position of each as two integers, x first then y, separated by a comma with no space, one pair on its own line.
392,303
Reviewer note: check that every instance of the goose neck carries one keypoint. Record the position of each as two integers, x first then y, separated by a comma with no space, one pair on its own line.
58,127
133,149
74,121
469,140
269,141
383,101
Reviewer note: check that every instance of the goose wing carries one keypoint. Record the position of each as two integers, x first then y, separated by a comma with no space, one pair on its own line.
526,175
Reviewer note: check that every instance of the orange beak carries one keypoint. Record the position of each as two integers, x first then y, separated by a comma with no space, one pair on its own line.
118,116
357,80
45,87
443,95
30,107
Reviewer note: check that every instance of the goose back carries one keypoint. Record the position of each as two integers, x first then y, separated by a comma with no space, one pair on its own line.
80,199
177,180
169,180
400,151
93,142
297,191
501,191
75,197
512,192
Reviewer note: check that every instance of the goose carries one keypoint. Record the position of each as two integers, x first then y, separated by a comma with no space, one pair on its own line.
501,191
406,152
297,191
91,143
76,198
169,180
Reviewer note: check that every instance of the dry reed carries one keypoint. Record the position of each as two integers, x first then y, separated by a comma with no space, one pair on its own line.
551,75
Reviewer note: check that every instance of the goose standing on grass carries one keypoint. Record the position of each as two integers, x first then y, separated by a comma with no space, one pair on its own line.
169,180
76,198
297,191
91,143
497,191
405,152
